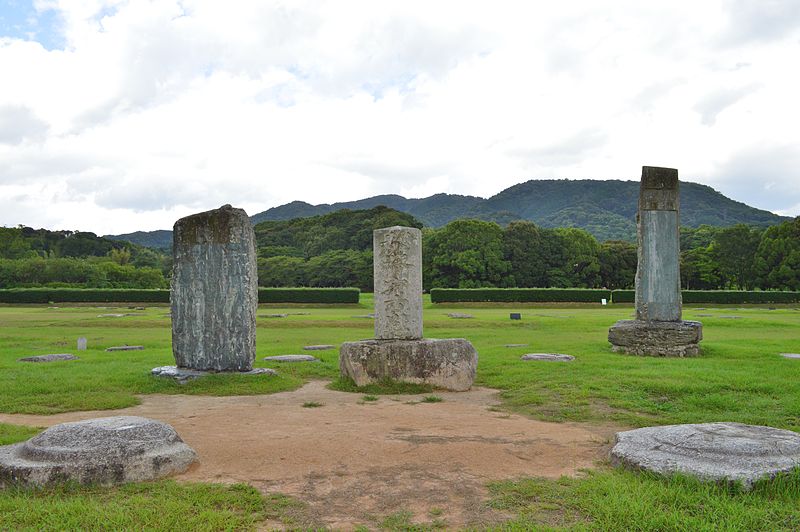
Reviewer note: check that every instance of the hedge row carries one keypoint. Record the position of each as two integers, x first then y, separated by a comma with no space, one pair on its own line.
518,295
98,295
308,295
733,297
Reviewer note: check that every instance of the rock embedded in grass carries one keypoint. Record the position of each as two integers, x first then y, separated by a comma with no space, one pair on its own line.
105,451
125,348
550,357
710,451
182,375
291,358
321,347
791,355
516,345
460,316
49,358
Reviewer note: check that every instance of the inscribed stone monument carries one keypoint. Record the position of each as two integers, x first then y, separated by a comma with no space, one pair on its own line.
399,351
214,291
658,329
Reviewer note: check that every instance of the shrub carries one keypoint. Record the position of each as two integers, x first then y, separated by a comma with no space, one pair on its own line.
731,297
518,295
308,295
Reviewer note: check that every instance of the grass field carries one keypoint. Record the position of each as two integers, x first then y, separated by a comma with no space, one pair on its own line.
740,377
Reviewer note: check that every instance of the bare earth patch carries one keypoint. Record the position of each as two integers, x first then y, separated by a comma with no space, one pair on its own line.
355,462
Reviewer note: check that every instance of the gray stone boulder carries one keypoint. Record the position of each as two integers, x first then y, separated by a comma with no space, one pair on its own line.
656,338
710,451
450,364
214,291
182,375
104,451
49,358
548,357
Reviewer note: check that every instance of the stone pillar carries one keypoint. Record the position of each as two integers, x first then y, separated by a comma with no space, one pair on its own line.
397,266
658,329
658,275
214,291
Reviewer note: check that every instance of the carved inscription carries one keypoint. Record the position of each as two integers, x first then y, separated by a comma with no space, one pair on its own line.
398,283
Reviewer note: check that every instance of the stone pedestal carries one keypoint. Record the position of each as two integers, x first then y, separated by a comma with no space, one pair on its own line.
656,338
450,364
214,291
658,329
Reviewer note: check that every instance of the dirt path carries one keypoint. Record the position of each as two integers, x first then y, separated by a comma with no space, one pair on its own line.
354,461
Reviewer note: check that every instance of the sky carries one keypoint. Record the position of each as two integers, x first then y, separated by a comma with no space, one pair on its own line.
125,115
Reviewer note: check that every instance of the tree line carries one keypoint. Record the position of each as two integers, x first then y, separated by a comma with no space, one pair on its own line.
335,250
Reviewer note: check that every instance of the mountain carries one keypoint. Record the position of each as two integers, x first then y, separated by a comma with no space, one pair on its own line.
161,239
607,209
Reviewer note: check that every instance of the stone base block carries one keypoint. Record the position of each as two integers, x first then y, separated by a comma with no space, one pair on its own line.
448,364
656,338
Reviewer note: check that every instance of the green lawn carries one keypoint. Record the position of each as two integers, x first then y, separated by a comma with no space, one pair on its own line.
740,377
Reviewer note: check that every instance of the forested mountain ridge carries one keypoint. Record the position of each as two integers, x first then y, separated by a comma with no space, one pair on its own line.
607,209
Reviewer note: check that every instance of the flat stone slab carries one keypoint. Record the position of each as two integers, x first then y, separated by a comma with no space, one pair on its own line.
450,364
183,375
551,357
365,316
274,315
459,316
49,358
126,348
790,355
321,347
112,315
730,317
710,451
656,338
516,345
291,358
106,451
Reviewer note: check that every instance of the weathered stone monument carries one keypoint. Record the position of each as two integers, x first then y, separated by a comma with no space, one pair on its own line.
82,344
399,351
105,451
658,329
214,291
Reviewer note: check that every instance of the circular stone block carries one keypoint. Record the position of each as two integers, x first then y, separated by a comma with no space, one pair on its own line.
710,451
291,358
49,358
106,451
552,357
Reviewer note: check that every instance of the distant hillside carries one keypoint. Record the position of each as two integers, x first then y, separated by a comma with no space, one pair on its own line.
161,239
607,209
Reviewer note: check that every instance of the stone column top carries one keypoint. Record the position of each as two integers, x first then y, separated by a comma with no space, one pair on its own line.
659,189
395,228
217,226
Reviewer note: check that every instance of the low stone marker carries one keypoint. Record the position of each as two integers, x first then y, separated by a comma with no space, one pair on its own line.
515,316
517,345
274,315
460,316
112,315
790,355
182,375
550,357
49,358
321,347
105,451
658,329
399,351
126,348
81,344
710,451
291,358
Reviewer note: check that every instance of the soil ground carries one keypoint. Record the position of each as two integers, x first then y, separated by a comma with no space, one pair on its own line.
354,461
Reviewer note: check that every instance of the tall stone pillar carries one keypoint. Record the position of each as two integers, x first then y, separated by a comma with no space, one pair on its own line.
397,267
658,329
214,291
399,352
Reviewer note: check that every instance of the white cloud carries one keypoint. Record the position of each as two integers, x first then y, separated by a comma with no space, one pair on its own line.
158,108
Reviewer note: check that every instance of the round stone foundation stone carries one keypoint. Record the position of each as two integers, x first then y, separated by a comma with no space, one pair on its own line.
710,451
106,451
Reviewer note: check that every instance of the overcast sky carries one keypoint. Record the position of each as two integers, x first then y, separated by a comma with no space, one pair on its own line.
123,115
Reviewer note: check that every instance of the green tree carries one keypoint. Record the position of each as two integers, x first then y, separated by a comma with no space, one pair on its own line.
777,260
466,254
582,265
618,260
699,270
734,249
282,271
522,248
